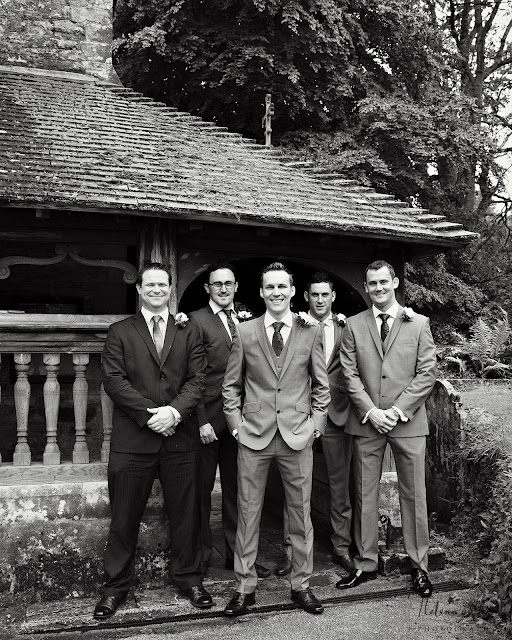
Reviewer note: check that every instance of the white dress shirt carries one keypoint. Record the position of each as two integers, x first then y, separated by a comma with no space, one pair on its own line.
328,335
285,329
148,317
223,317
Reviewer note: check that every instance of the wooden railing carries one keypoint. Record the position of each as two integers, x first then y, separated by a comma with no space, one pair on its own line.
23,335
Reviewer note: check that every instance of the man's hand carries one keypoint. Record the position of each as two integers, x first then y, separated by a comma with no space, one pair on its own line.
162,421
384,420
207,433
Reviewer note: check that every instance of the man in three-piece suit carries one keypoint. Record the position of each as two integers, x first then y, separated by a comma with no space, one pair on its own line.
154,373
276,394
216,323
388,358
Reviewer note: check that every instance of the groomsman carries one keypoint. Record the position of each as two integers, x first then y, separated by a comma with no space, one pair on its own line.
276,394
388,358
217,323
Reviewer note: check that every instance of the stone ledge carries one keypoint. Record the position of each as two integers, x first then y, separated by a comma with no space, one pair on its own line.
393,559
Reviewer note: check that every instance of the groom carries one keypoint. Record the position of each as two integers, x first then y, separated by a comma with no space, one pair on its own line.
388,357
276,394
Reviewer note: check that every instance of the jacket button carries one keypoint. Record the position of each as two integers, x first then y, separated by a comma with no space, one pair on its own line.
162,376
279,411
383,376
278,390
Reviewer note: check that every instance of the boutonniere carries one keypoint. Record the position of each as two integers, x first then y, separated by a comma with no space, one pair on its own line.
181,319
243,315
407,314
304,320
340,318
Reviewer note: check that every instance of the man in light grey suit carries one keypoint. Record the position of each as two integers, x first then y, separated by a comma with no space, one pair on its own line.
276,394
388,358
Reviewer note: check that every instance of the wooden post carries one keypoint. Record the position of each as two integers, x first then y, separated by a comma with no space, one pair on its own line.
107,409
158,244
80,392
266,122
21,456
51,394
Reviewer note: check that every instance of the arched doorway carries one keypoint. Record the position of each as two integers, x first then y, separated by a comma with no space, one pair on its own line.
348,300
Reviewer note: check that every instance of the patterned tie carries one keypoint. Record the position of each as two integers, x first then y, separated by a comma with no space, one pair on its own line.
231,324
277,338
384,328
158,337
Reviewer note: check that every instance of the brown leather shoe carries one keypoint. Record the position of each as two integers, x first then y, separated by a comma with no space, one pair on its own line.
239,603
107,606
345,561
284,567
307,601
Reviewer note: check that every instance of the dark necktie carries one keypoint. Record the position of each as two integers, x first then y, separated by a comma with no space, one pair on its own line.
231,324
277,338
158,336
384,328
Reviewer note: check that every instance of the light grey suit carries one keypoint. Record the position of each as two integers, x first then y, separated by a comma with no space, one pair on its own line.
275,411
401,373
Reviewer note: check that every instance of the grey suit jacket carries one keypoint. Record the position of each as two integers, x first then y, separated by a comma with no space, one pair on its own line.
401,374
339,404
258,401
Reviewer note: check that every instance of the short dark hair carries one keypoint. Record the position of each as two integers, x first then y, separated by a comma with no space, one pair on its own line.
319,277
276,266
161,266
218,265
379,264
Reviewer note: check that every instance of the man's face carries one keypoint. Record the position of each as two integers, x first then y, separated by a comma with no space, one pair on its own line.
222,287
155,290
380,286
277,292
320,298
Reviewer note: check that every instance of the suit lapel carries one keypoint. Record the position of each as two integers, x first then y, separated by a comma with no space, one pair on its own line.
397,323
262,339
293,340
220,326
372,326
169,338
142,328
337,336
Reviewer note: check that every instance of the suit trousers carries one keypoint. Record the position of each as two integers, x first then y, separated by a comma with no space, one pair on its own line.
130,479
409,456
296,468
224,453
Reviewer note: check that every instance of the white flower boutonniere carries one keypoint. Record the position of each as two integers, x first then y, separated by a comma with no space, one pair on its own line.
243,315
407,314
340,318
181,319
304,320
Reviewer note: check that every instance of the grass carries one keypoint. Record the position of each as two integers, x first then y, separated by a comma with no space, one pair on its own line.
495,400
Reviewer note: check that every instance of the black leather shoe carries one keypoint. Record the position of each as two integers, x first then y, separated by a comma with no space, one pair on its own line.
421,584
198,596
307,601
261,571
284,567
344,561
355,579
239,603
107,606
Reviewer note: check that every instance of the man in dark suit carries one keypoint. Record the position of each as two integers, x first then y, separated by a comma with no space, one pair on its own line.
336,444
275,394
216,323
388,357
154,373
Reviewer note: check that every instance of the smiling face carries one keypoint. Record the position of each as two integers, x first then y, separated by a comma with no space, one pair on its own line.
380,286
222,287
320,298
154,290
277,291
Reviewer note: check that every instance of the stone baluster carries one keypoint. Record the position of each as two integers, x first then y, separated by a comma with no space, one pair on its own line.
107,409
80,394
22,456
51,394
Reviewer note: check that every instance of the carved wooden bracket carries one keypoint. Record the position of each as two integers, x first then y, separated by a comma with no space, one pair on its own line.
62,251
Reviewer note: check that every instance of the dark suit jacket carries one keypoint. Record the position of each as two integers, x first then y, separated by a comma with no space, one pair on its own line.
339,404
135,380
217,346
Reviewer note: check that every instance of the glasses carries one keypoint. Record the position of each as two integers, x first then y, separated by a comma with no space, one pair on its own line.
218,285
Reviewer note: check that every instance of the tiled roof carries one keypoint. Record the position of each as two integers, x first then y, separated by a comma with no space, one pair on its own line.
74,142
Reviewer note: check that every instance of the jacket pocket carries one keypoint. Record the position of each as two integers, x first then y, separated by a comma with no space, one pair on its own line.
303,407
251,407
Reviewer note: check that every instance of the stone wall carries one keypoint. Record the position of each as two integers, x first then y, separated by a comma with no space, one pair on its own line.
59,35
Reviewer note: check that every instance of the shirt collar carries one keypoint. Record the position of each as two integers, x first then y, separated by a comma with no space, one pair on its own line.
287,320
328,321
149,314
392,311
216,308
